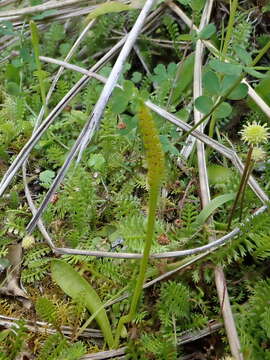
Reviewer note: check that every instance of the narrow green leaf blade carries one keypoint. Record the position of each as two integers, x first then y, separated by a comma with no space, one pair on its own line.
75,286
107,8
185,76
212,206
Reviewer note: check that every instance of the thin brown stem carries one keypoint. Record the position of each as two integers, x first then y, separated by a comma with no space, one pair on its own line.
244,188
241,186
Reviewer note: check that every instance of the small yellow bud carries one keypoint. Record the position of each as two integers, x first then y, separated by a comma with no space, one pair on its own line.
258,154
28,241
254,133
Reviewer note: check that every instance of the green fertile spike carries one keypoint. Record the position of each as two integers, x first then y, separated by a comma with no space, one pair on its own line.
154,152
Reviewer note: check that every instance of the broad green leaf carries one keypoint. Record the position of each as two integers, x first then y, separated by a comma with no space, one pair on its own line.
183,114
227,82
160,74
218,174
239,93
76,286
207,31
197,5
225,68
12,74
119,101
13,88
108,8
223,110
129,89
171,69
211,83
212,206
185,76
204,104
263,88
6,28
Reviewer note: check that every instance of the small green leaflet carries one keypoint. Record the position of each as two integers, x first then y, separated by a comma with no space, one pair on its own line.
225,68
46,178
207,32
204,104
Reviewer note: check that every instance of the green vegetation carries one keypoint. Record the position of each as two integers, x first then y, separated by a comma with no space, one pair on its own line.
110,263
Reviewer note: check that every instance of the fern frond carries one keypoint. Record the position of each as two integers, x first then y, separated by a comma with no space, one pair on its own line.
46,310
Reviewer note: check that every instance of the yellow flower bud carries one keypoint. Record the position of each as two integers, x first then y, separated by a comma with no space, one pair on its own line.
28,241
254,133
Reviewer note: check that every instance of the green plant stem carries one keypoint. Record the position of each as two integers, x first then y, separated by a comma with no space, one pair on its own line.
153,199
241,186
92,317
261,53
35,44
227,40
212,126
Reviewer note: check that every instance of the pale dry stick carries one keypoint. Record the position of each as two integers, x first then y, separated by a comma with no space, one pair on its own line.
190,141
6,2
140,57
113,77
214,144
95,117
16,164
70,157
209,247
182,339
21,157
60,15
251,92
39,119
33,209
178,253
109,354
61,69
45,328
228,153
39,8
147,284
206,197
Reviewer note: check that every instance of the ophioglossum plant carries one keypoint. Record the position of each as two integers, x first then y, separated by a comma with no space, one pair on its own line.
156,165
